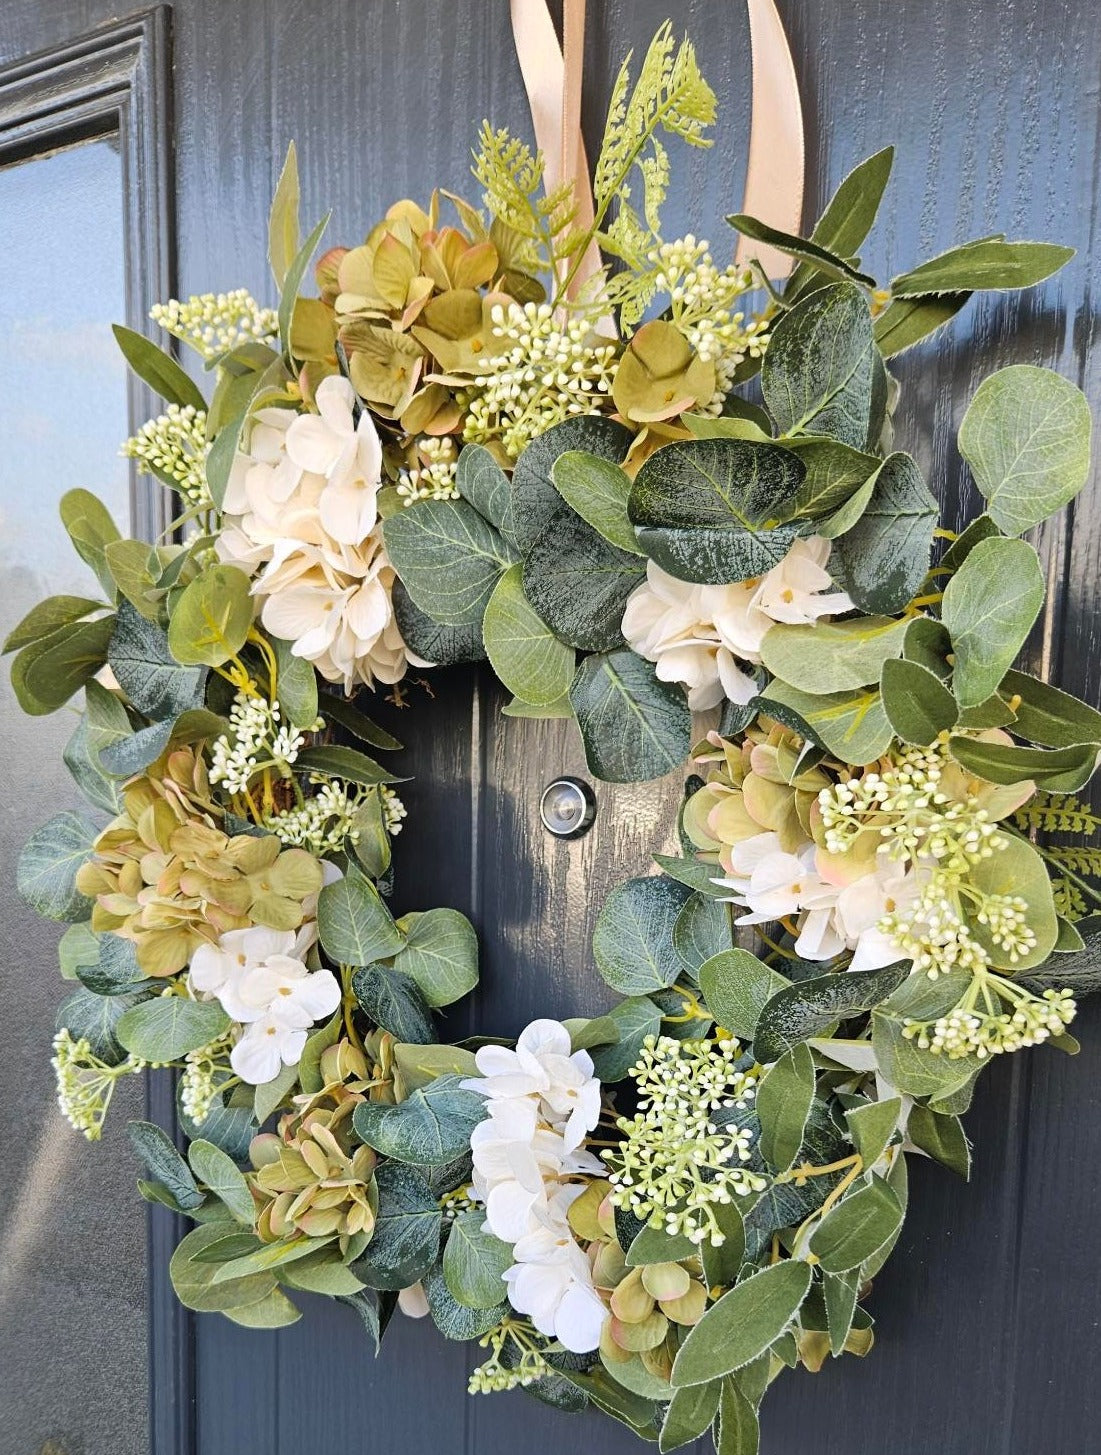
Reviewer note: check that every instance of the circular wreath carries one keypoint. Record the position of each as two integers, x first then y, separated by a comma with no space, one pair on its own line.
451,454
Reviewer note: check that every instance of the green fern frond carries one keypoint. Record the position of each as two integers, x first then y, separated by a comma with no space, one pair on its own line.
1070,903
1082,859
512,178
1058,813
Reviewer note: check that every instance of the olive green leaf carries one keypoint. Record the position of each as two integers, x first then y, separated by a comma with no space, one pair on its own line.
990,263
392,1001
456,1320
783,1101
210,622
158,369
296,686
131,564
48,617
221,1175
742,1324
883,558
354,924
736,987
918,705
480,480
579,584
689,1415
1017,869
146,670
526,655
857,1227
419,1064
342,711
849,215
722,1263
431,1127
941,1137
633,937
440,954
633,726
1026,436
807,1008
296,271
817,375
852,725
989,607
535,501
928,643
906,321
474,1262
832,656
90,528
738,1431
167,1027
283,227
347,764
597,489
804,249
48,671
871,1127
1045,715
193,1278
46,873
448,558
702,931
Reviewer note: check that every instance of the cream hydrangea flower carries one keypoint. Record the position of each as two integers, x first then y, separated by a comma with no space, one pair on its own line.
301,517
698,635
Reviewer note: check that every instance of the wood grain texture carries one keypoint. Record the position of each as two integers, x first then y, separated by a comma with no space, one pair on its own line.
986,1333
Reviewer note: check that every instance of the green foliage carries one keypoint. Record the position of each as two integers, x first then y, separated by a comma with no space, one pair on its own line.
818,372
474,1262
742,1324
406,1239
439,953
431,1127
512,178
449,559
1026,436
46,873
394,1002
882,558
167,1027
633,938
633,725
988,609
354,924
783,1105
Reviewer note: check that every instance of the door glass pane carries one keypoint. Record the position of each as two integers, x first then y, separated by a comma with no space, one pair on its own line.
72,1230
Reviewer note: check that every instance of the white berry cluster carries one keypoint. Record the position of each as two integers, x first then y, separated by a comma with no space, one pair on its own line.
971,1030
433,476
174,448
676,1164
701,305
85,1083
257,739
515,1360
214,323
543,374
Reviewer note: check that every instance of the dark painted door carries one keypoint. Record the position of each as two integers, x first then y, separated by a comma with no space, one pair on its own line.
987,1320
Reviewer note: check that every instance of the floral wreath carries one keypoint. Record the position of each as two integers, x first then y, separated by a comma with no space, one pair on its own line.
452,454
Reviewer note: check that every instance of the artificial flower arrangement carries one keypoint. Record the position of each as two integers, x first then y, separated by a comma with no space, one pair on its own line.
448,455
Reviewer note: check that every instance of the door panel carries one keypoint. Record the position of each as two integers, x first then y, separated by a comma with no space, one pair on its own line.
996,129
72,1252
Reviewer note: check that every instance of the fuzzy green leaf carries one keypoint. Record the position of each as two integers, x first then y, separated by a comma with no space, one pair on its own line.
918,705
633,938
354,924
989,263
883,558
440,954
783,1104
449,559
46,872
832,656
857,1227
742,1324
597,490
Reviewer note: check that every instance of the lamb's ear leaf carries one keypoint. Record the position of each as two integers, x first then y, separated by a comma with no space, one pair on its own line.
991,263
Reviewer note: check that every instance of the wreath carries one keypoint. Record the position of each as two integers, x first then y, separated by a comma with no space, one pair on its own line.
452,454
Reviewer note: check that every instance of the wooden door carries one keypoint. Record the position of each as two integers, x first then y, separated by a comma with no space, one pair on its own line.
986,1320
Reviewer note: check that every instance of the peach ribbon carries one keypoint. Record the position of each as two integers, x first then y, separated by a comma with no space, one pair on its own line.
775,170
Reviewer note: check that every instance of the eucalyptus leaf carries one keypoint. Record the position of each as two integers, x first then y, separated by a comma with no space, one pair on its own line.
449,559
440,954
222,1176
941,1137
167,1027
832,656
194,1279
161,1159
95,1018
454,1319
480,480
1026,436
736,988
635,1018
393,1001
406,1238
535,501
436,643
633,938
817,373
1048,716
49,616
283,226
347,764
526,655
211,619
633,726
597,490
146,670
474,1262
45,875
432,1126
702,931
852,725
803,1010
882,560
989,607
51,669
578,585
91,529
354,924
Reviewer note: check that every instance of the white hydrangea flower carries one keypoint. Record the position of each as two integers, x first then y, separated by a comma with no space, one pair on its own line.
301,517
697,635
542,1101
